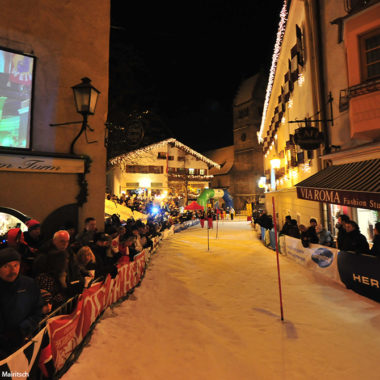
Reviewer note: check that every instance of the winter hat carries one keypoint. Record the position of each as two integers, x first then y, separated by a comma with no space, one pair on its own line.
32,224
7,255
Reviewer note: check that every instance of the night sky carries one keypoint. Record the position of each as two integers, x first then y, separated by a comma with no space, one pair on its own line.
189,58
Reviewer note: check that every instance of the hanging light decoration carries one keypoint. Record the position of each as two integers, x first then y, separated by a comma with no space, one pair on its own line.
275,57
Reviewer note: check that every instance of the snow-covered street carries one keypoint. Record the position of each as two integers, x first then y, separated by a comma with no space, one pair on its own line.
215,315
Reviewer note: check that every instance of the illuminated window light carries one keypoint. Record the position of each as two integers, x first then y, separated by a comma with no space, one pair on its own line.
290,103
275,137
306,168
283,120
275,163
301,79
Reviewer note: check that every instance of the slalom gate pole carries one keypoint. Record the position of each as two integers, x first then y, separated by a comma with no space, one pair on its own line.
208,237
217,220
278,262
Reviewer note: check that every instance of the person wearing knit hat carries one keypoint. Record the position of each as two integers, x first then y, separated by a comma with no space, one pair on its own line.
33,236
20,303
9,264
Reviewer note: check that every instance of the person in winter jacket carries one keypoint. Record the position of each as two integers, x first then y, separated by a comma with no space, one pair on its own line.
375,250
15,239
286,226
86,261
20,303
341,226
86,236
305,240
105,264
293,230
33,236
53,280
311,233
60,242
265,221
325,237
354,240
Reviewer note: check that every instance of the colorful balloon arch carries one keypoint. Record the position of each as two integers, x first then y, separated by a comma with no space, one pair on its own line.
215,193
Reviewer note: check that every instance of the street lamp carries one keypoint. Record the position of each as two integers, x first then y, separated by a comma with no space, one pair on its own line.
85,97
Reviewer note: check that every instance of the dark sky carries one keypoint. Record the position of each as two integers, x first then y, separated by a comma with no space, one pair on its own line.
195,55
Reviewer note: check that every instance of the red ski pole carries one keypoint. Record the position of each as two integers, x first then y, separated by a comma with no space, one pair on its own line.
278,262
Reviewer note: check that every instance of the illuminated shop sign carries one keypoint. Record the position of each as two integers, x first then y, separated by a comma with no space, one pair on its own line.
344,198
40,164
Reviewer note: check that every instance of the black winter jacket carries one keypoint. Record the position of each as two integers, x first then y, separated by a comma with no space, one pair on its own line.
20,312
356,242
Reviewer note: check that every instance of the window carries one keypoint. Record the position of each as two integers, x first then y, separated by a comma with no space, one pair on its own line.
16,82
191,171
144,169
161,156
370,55
181,158
202,172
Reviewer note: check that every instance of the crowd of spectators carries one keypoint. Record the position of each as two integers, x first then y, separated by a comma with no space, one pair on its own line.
38,275
349,238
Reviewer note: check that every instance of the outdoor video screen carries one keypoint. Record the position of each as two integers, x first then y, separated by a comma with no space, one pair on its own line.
16,79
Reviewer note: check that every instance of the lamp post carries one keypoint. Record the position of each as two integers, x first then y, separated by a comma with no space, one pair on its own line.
86,98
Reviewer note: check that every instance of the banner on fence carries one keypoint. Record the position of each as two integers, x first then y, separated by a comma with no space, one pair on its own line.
19,364
360,273
183,226
318,258
67,331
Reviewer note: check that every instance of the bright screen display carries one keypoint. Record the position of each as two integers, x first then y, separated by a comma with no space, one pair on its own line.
16,79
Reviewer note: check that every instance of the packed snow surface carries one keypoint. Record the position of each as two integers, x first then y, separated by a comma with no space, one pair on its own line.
215,314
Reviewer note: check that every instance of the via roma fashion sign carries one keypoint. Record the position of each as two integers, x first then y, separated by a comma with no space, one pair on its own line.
340,197
40,164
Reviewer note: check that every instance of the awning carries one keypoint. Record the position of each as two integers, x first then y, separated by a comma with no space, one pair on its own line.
356,184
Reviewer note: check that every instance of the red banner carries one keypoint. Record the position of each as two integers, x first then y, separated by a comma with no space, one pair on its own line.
67,331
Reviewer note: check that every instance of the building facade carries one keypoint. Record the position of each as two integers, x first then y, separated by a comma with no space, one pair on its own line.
321,138
45,172
242,163
165,168
248,159
293,96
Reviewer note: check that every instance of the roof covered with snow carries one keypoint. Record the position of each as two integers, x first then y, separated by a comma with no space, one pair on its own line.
173,142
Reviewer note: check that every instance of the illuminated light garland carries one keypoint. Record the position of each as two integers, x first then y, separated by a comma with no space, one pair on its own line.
191,176
131,156
275,57
301,79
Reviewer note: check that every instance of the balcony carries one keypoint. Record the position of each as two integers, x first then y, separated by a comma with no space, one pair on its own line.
353,6
363,102
358,90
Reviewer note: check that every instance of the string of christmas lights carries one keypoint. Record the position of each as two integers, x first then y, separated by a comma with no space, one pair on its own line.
131,156
275,57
